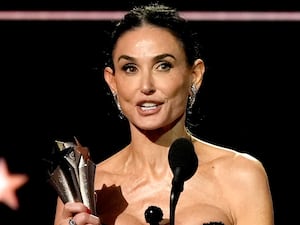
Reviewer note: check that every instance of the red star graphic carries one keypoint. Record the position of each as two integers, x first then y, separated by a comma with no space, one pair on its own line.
9,184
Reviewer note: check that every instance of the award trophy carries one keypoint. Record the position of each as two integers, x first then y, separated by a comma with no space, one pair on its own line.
72,174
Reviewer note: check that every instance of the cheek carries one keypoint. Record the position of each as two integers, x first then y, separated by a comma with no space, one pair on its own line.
179,83
125,93
177,89
125,89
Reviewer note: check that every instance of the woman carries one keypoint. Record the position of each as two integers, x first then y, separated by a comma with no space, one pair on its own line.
154,71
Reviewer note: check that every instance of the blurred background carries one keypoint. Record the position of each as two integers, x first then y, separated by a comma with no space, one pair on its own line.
52,89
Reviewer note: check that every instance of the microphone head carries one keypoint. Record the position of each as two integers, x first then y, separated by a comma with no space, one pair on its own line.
182,156
153,215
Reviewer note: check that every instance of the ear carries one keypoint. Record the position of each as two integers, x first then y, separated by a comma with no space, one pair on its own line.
198,72
110,78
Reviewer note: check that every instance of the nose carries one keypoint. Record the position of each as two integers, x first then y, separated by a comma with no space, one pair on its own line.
148,86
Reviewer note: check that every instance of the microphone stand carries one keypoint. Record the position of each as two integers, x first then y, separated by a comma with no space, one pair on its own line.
177,188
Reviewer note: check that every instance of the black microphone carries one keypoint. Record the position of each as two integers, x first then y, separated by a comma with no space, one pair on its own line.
183,162
153,215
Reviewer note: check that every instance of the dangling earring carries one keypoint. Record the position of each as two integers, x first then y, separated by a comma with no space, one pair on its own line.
192,96
121,115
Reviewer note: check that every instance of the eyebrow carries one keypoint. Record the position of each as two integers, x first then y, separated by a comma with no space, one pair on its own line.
162,56
158,57
126,57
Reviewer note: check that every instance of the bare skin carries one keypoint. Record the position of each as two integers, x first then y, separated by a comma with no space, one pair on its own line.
152,81
228,187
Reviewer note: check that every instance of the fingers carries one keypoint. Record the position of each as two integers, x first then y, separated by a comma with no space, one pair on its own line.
72,208
84,218
77,213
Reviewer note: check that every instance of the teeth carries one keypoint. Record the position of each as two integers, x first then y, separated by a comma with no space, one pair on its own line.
148,106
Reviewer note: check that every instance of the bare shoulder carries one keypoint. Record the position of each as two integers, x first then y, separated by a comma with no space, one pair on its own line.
238,167
241,178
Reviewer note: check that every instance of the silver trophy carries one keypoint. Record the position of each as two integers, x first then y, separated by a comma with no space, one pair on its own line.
73,174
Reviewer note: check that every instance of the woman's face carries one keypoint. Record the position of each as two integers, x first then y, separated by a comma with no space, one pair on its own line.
152,78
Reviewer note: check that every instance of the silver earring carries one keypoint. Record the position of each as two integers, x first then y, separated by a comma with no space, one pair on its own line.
192,96
115,95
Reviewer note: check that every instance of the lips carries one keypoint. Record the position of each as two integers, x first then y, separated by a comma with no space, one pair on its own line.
147,108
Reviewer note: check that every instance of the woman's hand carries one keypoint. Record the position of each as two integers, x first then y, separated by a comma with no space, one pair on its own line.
76,213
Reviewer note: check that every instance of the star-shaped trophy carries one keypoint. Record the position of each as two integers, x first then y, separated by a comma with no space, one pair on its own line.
72,173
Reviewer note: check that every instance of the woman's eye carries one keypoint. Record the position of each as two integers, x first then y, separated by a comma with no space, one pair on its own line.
129,68
164,66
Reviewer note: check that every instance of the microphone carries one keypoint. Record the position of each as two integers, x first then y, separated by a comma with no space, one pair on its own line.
153,215
183,162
